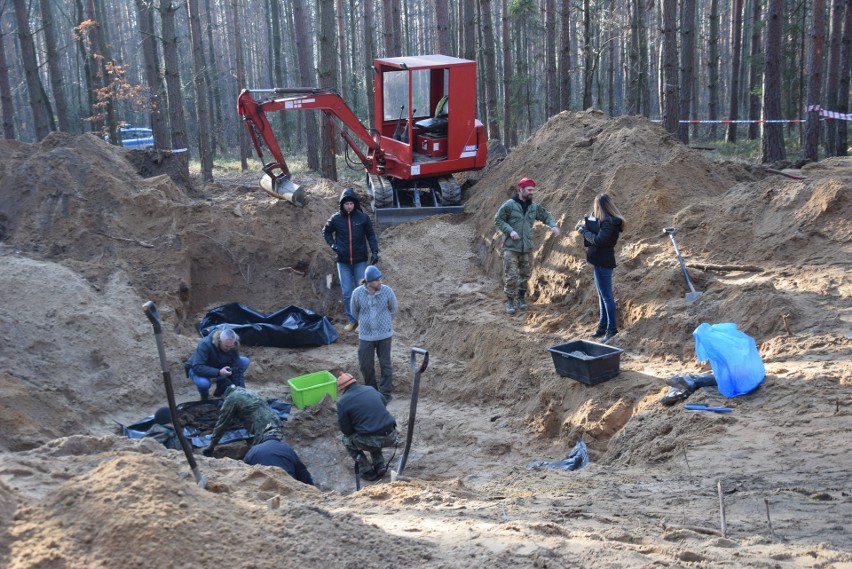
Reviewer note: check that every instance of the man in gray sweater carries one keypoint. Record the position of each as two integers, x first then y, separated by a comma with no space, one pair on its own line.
373,306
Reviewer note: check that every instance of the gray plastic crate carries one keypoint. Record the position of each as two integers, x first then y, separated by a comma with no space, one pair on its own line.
586,362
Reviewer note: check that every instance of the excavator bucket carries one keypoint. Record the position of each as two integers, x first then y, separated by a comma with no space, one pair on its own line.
283,188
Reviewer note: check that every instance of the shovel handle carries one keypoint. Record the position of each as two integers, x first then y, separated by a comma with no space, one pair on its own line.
153,315
422,352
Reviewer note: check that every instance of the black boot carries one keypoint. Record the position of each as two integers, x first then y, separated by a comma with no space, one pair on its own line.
599,332
510,305
609,335
521,303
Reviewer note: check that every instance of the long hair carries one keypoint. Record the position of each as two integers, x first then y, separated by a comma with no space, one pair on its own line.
604,207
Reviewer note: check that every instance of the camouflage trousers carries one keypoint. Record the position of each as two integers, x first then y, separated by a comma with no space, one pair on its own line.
517,268
357,443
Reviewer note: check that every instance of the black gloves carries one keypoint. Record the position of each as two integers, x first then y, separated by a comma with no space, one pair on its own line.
208,451
374,259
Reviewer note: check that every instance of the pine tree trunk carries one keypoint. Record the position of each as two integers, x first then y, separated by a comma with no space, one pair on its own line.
509,121
811,146
833,74
307,79
669,109
551,98
38,105
205,152
173,88
57,81
564,56
773,133
736,50
369,56
442,21
144,16
6,94
843,88
328,78
754,72
687,66
489,61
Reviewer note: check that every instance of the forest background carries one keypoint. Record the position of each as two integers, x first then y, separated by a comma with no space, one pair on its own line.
761,69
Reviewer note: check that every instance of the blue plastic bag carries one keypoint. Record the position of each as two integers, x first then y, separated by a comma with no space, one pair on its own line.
733,356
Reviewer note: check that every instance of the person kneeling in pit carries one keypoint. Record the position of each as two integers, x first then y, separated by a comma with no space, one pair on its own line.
366,425
217,360
249,409
272,451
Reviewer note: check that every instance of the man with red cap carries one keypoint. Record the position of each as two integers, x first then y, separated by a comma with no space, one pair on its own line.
515,220
366,425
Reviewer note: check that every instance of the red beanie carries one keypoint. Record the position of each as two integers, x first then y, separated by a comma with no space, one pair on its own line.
526,183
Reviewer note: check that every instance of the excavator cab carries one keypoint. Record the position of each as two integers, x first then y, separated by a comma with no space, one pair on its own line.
426,130
427,138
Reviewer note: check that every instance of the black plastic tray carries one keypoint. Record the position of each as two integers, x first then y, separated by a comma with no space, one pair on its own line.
587,362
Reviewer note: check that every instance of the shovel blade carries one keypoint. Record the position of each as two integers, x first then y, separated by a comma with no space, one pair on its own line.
693,296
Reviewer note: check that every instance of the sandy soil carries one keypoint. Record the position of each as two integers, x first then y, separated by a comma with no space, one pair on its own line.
85,240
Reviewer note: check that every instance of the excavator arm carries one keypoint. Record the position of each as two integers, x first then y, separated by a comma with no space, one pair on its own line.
329,101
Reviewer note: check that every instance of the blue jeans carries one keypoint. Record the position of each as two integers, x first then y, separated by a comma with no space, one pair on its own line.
606,299
350,276
203,383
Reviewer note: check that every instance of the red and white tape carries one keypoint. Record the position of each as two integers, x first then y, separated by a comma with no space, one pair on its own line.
830,114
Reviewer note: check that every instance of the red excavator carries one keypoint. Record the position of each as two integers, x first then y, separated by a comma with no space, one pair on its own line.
425,131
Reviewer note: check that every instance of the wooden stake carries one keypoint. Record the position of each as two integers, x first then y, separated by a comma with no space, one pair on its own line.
784,317
721,508
688,469
769,521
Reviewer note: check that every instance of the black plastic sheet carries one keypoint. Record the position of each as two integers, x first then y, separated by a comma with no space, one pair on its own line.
290,327
198,418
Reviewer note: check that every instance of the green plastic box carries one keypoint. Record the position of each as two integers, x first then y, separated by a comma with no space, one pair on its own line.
309,389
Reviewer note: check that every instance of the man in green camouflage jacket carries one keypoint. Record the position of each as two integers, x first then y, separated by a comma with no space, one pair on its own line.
250,409
515,220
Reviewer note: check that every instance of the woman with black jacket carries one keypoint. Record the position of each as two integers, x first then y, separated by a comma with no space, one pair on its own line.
600,234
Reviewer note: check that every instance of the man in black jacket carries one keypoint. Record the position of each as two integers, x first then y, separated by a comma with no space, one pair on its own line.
272,451
366,425
348,233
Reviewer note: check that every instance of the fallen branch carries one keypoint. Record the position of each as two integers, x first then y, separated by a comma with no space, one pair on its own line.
696,529
780,173
712,267
125,239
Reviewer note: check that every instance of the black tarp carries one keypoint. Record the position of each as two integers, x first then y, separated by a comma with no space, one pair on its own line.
198,419
290,327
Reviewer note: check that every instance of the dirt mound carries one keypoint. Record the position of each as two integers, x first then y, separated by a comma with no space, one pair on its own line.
85,241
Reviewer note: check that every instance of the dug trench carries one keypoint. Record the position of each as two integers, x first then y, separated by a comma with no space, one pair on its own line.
86,241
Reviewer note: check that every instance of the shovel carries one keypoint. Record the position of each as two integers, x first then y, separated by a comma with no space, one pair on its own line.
154,316
412,411
693,294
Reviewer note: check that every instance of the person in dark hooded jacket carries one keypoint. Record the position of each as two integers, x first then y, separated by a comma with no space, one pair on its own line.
600,233
349,232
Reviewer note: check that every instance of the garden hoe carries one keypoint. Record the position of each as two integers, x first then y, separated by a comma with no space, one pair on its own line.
154,316
693,294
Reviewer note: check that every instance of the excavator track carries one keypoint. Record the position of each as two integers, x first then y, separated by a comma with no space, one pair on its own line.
380,191
451,192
